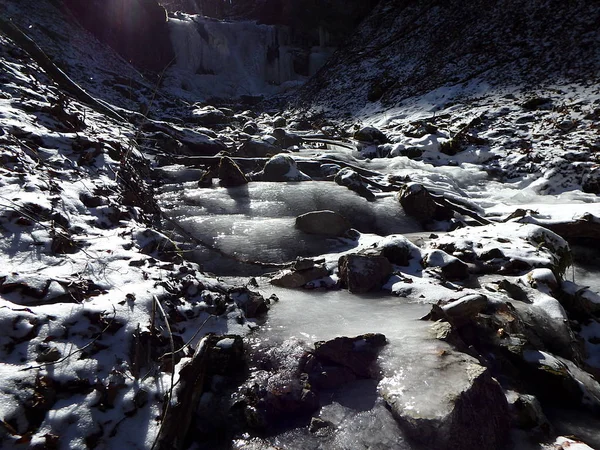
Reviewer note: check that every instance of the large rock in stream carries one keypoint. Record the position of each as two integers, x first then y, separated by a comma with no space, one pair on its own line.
449,402
363,272
325,223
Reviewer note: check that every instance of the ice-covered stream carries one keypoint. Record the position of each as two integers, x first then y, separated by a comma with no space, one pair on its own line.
256,221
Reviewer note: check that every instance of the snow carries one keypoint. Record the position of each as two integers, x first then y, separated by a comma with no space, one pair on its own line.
78,333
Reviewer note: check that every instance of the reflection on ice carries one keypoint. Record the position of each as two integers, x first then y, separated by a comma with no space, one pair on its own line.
257,221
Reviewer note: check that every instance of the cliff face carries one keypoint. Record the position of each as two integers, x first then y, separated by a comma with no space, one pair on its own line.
410,47
309,20
136,29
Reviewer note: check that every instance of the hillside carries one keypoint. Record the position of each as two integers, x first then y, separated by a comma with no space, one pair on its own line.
407,48
399,252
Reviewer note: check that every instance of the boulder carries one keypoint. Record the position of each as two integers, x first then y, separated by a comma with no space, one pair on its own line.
324,223
452,402
452,267
362,272
250,127
208,116
283,168
399,250
417,202
230,175
251,303
370,134
279,122
353,181
286,139
258,148
342,360
298,278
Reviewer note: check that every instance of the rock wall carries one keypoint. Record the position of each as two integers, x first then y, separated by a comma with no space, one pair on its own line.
136,29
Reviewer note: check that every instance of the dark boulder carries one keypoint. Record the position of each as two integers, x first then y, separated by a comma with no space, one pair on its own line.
325,223
230,175
362,272
283,168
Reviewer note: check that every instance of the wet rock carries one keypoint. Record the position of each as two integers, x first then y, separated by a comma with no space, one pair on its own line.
325,223
356,354
353,181
283,168
250,128
226,356
279,122
317,424
559,381
298,278
251,303
466,410
362,272
230,175
258,148
527,413
417,202
286,139
208,116
452,267
370,134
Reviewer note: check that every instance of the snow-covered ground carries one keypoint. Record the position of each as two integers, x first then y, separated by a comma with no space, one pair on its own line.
97,287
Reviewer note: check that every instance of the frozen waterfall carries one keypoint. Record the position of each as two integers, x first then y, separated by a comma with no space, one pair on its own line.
229,59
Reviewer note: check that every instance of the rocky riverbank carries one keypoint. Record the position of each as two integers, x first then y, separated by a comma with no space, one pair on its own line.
403,278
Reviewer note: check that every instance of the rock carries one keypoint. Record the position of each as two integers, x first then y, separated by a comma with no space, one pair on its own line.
226,356
298,278
353,181
208,116
286,139
250,128
283,168
370,134
417,202
399,250
452,267
230,175
278,390
356,353
258,148
317,424
527,413
342,360
465,308
279,122
324,223
251,303
559,381
454,404
580,302
363,273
